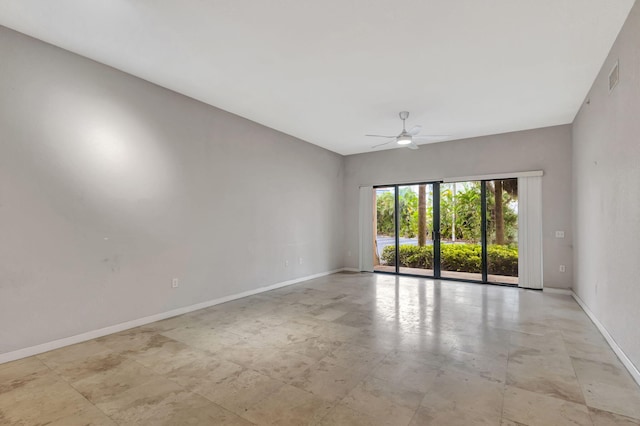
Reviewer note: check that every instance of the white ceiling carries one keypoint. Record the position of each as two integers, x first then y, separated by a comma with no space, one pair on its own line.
330,71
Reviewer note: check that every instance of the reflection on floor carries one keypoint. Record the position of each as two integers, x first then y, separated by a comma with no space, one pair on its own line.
501,279
361,349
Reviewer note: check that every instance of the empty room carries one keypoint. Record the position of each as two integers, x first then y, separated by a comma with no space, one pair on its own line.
320,213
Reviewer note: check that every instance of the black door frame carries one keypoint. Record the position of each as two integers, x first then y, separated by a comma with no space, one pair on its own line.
436,236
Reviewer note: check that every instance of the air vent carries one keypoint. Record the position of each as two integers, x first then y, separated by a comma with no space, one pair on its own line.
614,76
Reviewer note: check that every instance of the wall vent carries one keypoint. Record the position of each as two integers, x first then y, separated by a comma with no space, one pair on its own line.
614,76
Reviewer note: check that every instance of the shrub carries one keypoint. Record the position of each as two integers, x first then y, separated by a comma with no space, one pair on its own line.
502,260
461,257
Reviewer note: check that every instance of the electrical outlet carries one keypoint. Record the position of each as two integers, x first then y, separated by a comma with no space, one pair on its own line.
174,283
563,268
286,263
349,253
300,261
559,234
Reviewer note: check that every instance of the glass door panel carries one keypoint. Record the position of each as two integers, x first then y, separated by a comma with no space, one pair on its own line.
502,231
385,230
461,230
415,203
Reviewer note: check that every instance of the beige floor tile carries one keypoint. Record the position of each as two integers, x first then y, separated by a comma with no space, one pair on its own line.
289,406
203,372
354,349
192,410
490,368
602,353
286,366
137,404
555,360
345,416
42,401
461,397
611,373
329,381
90,415
330,330
239,391
605,418
167,356
316,347
108,383
353,356
244,353
507,422
385,401
549,341
407,370
493,342
619,400
74,354
427,416
548,382
136,339
17,374
328,313
202,337
76,370
544,372
377,340
426,344
579,335
534,409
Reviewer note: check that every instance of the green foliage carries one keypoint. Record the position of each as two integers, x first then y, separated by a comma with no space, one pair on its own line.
408,208
464,207
510,216
408,201
385,205
461,257
502,260
410,256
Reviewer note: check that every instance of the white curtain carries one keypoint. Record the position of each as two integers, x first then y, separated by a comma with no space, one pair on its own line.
366,229
530,232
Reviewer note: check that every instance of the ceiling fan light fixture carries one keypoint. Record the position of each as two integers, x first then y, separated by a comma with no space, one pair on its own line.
404,140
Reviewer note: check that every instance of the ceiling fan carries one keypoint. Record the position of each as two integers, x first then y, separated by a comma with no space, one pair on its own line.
407,138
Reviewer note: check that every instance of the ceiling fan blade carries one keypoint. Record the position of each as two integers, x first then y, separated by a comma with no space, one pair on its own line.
385,143
412,145
380,136
430,137
415,130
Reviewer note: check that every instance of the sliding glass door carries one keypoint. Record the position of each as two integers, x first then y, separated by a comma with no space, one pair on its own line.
384,250
502,231
461,230
455,230
415,255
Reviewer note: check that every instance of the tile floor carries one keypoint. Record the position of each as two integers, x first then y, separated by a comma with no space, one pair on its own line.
347,349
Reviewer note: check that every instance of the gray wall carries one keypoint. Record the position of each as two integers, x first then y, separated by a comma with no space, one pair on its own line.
547,149
111,186
606,158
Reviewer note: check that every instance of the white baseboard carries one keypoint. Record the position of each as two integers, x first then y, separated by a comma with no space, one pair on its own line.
565,291
351,270
633,370
93,334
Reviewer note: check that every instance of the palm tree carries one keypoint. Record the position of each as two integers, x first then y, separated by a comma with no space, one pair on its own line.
422,215
510,186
